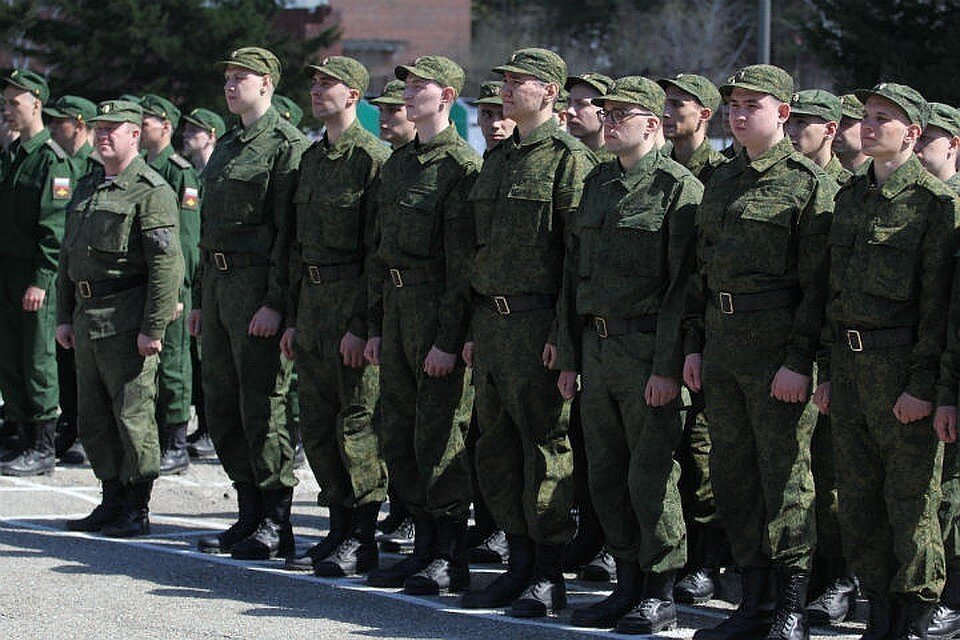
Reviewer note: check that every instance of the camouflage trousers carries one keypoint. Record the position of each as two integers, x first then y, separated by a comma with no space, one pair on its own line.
175,375
829,562
950,506
524,460
630,447
888,477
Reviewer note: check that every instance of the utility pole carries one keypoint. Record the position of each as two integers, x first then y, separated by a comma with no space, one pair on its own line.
763,32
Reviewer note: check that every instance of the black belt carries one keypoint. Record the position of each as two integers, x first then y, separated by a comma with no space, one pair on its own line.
606,327
96,288
227,260
505,305
407,277
869,340
730,303
320,274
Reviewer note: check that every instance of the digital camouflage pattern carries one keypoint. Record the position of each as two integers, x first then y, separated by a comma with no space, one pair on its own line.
703,161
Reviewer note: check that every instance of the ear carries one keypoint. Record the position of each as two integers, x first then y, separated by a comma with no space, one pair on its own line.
830,130
653,124
913,133
354,97
783,112
448,95
705,114
955,144
551,91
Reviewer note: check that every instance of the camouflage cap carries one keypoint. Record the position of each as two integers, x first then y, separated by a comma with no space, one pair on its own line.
852,107
945,117
542,64
347,70
160,107
635,90
907,98
29,81
762,78
287,108
817,103
392,94
441,70
490,93
207,120
598,81
71,107
119,111
257,59
704,91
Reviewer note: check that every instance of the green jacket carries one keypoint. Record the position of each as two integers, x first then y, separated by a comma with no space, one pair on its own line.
836,171
183,179
85,160
704,161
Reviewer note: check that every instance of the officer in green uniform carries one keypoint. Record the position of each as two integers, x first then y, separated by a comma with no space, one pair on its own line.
245,238
760,329
37,182
523,200
327,328
631,256
892,248
175,391
120,273
395,129
288,109
419,312
847,145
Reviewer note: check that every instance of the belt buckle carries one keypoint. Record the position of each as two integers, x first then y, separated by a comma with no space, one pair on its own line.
396,278
84,287
503,307
726,302
314,272
600,324
220,261
854,340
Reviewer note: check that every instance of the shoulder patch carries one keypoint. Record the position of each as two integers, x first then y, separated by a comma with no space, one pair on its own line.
190,198
61,188
180,161
57,149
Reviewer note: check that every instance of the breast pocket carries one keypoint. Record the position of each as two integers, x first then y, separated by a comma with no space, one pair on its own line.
891,253
108,227
483,198
636,242
529,211
418,221
246,187
341,220
766,232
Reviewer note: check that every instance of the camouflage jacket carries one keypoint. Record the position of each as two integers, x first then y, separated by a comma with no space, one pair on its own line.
183,179
704,161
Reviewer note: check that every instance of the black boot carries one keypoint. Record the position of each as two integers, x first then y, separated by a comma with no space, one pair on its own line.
199,444
134,519
790,619
396,517
13,440
699,581
945,623
656,610
424,548
340,520
249,505
111,504
491,550
358,553
175,457
274,535
75,454
546,593
587,543
449,571
912,618
399,538
603,568
881,619
752,619
606,613
509,585
837,603
37,458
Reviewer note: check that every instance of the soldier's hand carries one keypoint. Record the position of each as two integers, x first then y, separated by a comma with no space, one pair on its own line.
439,363
33,298
264,323
65,336
178,311
550,356
351,348
286,343
194,322
567,384
821,398
148,346
945,423
467,353
372,351
692,366
790,386
909,409
660,391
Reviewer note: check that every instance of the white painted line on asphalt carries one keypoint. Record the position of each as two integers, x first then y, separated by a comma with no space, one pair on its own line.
45,488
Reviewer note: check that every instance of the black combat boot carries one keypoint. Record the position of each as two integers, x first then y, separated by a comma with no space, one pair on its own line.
699,581
752,619
358,553
37,458
13,440
111,504
945,623
175,458
449,571
424,549
134,518
656,610
249,506
912,618
603,568
626,594
837,603
199,444
790,618
395,517
509,585
546,593
491,550
881,619
340,520
273,536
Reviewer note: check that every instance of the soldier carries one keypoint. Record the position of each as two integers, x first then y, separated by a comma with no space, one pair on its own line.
691,102
847,145
493,125
523,199
560,108
583,116
37,182
248,189
891,259
288,109
762,320
630,258
327,329
120,272
395,129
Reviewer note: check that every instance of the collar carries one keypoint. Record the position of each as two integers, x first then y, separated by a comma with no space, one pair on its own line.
954,183
538,135
773,155
127,176
84,151
266,122
427,151
162,157
346,140
638,172
905,175
34,143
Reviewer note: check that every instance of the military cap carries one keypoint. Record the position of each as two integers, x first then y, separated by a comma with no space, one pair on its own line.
852,107
945,117
490,93
207,120
704,91
119,111
347,70
160,107
72,107
598,81
257,59
635,90
542,64
762,78
287,108
907,98
392,94
441,70
129,97
817,103
29,81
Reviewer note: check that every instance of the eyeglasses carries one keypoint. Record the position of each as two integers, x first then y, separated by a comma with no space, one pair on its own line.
618,116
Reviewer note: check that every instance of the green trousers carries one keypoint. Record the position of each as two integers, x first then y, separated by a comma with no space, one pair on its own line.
175,376
950,506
